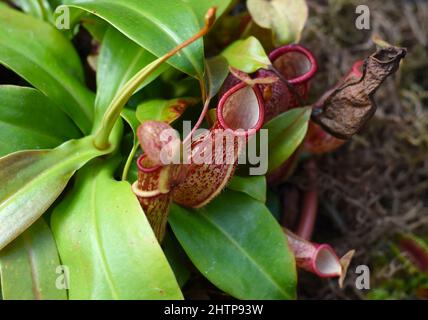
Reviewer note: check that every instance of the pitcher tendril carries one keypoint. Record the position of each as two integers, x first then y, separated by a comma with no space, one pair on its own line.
101,139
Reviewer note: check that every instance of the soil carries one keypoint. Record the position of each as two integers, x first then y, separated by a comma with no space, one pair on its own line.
376,186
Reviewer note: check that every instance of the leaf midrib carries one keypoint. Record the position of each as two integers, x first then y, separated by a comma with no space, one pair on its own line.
98,240
31,260
40,176
125,77
204,213
30,131
166,30
61,84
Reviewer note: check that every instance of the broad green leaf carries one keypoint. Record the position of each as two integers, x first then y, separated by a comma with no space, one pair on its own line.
28,266
164,110
157,26
32,180
37,8
29,120
106,241
247,55
254,186
286,18
286,133
120,59
200,7
216,71
40,54
236,243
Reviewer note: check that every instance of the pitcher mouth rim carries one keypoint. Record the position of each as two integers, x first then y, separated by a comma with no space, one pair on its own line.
147,169
260,101
277,53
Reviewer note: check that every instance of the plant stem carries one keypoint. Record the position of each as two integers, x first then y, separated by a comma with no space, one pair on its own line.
129,162
101,140
42,10
310,204
199,122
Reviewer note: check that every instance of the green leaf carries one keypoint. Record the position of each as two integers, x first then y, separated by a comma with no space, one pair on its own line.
286,132
286,18
201,7
216,71
106,241
254,186
120,59
164,110
32,180
28,266
39,8
177,258
28,120
40,54
236,243
157,26
247,55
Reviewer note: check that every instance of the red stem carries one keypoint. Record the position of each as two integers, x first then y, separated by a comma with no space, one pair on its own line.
310,204
201,118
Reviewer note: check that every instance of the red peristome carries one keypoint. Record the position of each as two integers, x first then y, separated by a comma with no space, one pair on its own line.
295,62
319,259
213,157
240,114
234,114
153,192
296,66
